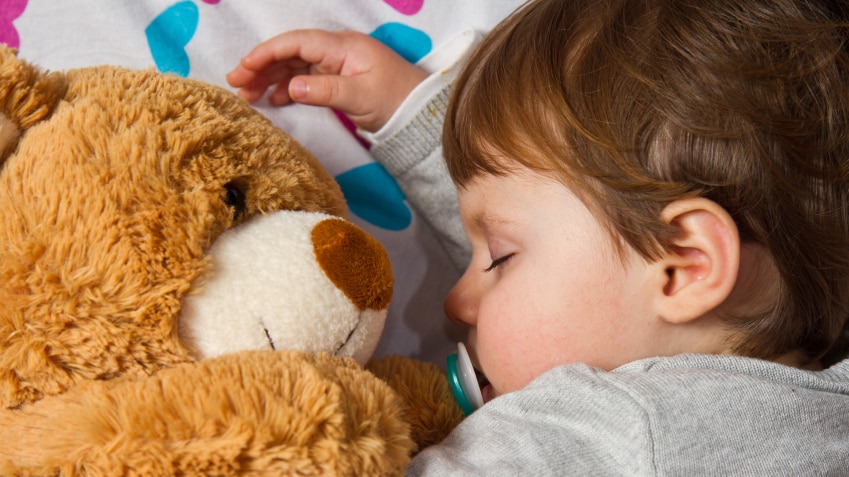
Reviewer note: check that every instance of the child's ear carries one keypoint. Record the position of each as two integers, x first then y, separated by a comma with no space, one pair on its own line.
700,270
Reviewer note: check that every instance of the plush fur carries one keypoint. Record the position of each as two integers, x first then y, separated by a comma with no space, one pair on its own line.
115,187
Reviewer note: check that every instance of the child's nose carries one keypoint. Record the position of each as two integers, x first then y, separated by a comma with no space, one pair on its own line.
461,303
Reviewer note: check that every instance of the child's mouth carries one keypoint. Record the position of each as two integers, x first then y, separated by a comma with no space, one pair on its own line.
486,388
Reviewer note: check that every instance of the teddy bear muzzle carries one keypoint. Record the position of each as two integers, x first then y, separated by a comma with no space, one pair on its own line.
290,280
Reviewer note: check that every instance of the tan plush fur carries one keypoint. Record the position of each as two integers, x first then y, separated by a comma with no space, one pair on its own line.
265,413
423,389
112,189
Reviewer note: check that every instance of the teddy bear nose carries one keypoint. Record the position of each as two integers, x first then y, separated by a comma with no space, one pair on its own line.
355,262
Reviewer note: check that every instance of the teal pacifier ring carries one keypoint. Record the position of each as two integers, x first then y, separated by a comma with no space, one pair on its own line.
456,387
462,380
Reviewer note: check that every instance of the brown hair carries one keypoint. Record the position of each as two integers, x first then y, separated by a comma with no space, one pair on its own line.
636,104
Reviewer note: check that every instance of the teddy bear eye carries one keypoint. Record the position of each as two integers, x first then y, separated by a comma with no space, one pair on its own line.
235,198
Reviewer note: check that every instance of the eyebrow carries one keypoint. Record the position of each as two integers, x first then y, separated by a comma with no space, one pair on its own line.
481,219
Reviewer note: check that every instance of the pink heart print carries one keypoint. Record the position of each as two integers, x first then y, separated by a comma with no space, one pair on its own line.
9,11
406,7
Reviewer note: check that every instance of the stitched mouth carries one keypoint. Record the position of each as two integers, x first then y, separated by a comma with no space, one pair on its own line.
336,351
268,336
345,341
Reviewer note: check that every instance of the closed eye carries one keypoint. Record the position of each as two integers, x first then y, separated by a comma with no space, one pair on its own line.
498,262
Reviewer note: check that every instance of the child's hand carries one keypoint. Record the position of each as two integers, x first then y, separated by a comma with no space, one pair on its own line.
346,70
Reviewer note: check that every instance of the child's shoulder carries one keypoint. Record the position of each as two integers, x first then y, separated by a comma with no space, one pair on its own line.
696,412
687,415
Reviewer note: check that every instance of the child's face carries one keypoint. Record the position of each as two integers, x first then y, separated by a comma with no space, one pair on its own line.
545,286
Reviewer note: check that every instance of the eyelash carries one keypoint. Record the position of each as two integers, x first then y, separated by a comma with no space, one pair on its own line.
498,262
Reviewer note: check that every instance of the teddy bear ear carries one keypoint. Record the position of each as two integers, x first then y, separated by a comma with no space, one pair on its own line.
27,95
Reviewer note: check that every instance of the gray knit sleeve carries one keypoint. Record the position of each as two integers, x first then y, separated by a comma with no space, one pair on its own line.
413,156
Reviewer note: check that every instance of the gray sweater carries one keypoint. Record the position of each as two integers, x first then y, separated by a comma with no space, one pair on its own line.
687,415
413,156
690,415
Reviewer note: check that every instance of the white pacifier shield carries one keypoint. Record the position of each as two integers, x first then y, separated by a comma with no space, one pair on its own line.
468,379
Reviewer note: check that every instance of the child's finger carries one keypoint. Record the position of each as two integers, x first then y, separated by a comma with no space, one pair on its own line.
280,94
240,77
333,91
298,46
251,95
253,85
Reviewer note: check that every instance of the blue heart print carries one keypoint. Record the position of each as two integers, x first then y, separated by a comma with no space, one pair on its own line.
410,43
169,33
374,196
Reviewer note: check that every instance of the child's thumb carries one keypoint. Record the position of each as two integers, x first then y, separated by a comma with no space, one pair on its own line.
321,90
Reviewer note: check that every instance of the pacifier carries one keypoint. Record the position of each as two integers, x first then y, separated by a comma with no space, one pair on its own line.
463,381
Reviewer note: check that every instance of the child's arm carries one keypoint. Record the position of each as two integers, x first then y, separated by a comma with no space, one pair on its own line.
369,82
411,151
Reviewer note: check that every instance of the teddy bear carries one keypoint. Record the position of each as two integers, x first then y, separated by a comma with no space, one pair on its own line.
182,294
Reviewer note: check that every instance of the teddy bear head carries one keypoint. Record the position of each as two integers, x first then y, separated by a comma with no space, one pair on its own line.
131,206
